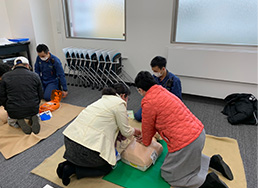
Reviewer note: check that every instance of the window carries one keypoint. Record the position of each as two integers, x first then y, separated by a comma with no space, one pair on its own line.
97,19
216,22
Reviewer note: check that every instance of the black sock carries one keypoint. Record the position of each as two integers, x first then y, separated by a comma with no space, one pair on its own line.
213,181
60,168
68,170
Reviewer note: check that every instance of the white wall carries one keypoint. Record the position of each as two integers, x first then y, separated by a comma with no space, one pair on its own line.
148,25
20,21
42,23
215,71
27,19
148,33
5,31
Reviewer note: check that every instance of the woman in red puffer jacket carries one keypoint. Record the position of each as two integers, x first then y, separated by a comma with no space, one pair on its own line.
184,165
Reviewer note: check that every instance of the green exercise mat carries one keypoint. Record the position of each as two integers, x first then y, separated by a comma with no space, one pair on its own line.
129,177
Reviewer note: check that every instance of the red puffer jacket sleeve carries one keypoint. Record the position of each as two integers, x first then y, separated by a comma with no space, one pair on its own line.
148,122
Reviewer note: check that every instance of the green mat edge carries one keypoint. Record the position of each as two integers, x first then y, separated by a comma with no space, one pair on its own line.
127,176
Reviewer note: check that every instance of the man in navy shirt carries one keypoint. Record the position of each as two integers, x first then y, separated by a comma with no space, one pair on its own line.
50,71
164,78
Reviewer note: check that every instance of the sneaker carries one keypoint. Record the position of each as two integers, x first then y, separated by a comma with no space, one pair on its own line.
35,124
218,164
24,126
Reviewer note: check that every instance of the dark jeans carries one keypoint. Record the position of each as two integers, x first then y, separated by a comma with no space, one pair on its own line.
48,90
138,115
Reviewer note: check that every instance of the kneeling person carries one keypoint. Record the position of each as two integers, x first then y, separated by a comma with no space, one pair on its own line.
20,94
90,139
185,165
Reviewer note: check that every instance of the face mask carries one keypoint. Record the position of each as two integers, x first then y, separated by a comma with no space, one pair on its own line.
157,74
44,59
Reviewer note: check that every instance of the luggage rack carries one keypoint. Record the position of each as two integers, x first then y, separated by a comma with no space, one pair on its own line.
95,68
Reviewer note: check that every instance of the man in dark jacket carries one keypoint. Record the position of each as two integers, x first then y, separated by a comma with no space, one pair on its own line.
3,69
20,94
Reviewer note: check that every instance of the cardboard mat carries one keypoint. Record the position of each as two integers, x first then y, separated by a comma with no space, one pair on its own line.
226,147
13,141
47,170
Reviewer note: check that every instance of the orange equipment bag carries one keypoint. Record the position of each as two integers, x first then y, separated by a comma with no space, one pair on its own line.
54,104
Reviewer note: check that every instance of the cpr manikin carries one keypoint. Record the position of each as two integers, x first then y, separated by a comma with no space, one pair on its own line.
136,154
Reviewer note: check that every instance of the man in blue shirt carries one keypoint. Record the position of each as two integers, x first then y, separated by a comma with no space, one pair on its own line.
164,78
51,72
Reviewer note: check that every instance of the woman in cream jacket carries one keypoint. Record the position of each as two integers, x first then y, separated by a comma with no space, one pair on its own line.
90,138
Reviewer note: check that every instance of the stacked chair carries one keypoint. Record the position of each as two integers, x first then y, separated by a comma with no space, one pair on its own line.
95,68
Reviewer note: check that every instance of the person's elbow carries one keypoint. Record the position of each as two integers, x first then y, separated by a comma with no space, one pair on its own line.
127,133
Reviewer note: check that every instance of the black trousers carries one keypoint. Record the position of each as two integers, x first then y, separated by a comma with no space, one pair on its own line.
82,172
85,162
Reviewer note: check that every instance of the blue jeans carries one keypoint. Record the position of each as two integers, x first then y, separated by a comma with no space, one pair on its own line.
48,90
138,115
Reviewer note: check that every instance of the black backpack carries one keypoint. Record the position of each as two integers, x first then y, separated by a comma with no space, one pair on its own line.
241,108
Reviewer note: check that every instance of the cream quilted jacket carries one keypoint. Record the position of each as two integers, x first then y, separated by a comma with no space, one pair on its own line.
97,126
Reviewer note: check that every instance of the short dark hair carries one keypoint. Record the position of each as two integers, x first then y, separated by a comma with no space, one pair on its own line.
158,61
144,80
42,48
4,68
117,88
